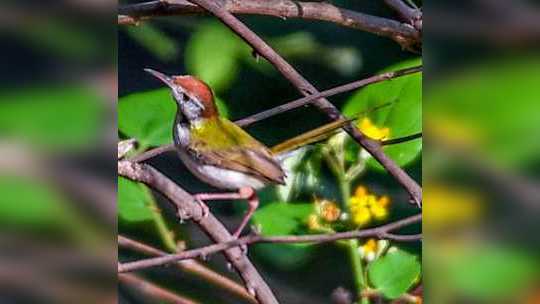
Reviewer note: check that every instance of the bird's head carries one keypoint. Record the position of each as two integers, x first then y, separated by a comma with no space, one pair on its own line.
193,96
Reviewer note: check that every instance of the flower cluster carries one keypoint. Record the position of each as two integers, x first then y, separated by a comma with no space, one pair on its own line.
365,207
326,213
369,250
372,131
372,249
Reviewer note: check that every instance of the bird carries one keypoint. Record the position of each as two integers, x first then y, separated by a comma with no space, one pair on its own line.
220,153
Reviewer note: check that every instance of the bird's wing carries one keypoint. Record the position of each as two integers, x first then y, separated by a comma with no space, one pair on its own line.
225,145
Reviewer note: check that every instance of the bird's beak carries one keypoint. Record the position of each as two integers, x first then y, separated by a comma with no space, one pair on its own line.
166,79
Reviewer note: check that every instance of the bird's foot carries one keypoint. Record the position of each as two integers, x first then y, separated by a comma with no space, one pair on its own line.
204,209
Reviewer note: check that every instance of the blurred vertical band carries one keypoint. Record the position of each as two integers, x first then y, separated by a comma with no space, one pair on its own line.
481,162
57,155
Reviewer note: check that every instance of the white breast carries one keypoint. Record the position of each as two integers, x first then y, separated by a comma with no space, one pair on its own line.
219,177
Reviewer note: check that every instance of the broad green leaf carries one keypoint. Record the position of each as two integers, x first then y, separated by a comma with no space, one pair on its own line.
154,40
394,273
134,204
283,219
51,117
403,116
212,54
149,116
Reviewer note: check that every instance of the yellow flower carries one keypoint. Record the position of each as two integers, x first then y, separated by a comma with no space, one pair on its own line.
379,207
313,222
361,216
364,207
372,131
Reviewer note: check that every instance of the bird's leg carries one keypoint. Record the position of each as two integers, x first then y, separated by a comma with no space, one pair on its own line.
246,193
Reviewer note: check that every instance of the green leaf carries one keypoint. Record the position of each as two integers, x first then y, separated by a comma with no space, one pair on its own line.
149,116
51,117
394,273
212,54
280,218
403,116
154,40
134,205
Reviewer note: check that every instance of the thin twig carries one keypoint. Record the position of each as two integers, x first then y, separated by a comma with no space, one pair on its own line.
152,153
306,88
151,290
405,35
400,140
380,232
333,91
190,266
188,208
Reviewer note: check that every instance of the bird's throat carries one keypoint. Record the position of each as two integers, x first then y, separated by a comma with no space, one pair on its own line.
181,130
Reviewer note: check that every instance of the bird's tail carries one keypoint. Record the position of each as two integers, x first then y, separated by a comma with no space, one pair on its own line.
319,134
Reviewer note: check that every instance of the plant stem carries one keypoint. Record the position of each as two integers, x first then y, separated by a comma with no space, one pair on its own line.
352,245
166,235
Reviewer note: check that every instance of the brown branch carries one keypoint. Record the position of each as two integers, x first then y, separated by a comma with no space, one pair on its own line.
293,105
306,88
404,34
151,290
190,266
379,232
189,209
412,15
152,153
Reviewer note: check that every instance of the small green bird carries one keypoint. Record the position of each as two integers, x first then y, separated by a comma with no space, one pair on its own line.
219,152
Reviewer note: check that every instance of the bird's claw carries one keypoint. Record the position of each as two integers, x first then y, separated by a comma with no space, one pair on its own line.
204,209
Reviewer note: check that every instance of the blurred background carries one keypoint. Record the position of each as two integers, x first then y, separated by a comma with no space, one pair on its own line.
480,166
58,135
57,152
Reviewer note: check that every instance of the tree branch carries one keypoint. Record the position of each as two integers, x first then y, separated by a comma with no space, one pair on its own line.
404,34
189,209
412,15
379,232
306,88
190,266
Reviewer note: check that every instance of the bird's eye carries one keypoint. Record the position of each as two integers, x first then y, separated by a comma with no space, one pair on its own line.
185,97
